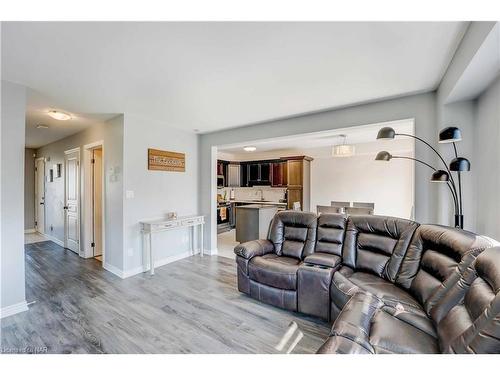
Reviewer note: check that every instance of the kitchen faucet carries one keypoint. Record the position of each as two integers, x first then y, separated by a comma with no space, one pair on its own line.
261,194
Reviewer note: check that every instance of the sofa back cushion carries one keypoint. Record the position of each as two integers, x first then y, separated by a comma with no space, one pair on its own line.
331,233
293,233
468,316
434,254
377,244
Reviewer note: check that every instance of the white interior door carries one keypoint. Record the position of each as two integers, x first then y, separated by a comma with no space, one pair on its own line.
72,201
40,195
97,201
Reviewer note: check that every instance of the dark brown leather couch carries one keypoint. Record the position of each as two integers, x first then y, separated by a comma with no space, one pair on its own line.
389,285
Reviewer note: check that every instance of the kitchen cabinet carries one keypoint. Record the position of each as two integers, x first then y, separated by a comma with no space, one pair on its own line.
279,174
253,172
299,182
295,173
233,175
259,173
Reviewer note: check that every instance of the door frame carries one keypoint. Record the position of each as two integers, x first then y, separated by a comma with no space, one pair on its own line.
37,227
78,189
87,228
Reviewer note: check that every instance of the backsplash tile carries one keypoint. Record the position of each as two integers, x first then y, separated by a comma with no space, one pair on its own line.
251,193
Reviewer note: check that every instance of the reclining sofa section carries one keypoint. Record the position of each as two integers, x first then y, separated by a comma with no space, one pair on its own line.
390,285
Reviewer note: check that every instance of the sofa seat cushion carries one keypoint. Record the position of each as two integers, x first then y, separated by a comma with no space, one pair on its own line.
346,283
276,271
368,325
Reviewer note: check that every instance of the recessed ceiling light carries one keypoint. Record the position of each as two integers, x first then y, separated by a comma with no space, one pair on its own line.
59,115
249,148
41,126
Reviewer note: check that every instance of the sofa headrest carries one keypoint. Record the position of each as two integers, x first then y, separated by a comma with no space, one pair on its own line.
293,233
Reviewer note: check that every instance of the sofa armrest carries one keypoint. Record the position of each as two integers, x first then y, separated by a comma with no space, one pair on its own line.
250,249
323,259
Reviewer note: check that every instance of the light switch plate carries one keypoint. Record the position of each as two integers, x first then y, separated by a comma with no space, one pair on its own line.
129,194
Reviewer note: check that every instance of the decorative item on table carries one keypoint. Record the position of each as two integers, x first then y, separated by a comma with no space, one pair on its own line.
452,135
172,215
159,160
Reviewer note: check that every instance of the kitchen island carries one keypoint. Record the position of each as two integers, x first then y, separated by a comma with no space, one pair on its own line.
253,221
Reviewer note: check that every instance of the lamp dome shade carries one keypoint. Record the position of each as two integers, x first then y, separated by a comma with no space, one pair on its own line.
460,165
440,176
383,156
450,134
386,133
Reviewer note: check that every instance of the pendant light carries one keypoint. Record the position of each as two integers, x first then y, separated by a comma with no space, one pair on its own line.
343,150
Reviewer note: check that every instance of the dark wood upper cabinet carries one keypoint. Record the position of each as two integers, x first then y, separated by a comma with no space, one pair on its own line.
265,172
279,174
253,172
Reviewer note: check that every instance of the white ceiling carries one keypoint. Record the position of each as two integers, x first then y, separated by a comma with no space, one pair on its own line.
319,144
211,76
36,114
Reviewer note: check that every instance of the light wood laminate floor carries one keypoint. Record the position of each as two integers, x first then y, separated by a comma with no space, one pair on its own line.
189,306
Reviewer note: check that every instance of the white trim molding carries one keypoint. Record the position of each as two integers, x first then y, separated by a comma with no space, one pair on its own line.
13,309
27,231
114,270
53,239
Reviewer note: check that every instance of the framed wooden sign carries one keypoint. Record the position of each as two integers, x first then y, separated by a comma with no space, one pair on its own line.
159,160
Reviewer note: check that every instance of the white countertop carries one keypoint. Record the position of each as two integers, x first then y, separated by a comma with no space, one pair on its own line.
257,202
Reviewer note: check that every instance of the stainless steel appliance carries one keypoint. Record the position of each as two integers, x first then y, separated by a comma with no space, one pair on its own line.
220,181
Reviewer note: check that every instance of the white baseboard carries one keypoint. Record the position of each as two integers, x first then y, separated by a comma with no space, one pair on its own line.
13,309
212,252
118,272
32,230
53,239
141,269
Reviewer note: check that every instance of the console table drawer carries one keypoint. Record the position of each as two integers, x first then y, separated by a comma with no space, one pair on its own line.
192,221
172,224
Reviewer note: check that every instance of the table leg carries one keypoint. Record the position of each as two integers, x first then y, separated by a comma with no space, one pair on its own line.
201,240
151,256
191,240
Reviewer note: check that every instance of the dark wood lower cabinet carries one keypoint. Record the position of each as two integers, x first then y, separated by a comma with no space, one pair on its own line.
294,195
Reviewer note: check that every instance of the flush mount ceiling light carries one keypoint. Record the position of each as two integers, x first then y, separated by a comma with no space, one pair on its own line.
58,115
249,148
41,126
343,150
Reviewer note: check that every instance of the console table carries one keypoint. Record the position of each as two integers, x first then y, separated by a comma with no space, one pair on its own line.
148,227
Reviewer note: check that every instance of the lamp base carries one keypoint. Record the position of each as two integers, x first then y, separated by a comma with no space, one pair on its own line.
459,221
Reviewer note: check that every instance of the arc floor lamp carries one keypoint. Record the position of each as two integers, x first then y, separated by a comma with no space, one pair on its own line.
458,164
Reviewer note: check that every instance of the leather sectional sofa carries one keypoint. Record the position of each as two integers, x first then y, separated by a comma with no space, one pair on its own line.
388,285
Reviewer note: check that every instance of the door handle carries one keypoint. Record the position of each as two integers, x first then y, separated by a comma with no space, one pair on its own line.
42,203
65,207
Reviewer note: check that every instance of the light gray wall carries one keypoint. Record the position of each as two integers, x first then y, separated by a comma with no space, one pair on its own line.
462,115
156,192
487,161
12,193
111,132
29,189
420,107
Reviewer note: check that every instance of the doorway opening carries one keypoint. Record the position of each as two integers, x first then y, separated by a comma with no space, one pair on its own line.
94,192
327,171
97,206
40,195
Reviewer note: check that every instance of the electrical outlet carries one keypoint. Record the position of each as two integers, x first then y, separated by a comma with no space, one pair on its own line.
130,252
